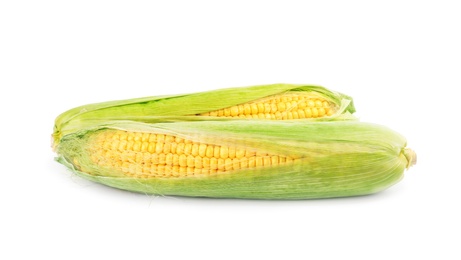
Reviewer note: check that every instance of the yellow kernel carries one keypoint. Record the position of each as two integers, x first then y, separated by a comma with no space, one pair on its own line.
168,170
144,146
209,151
175,159
198,163
180,148
145,137
147,157
251,162
122,145
161,138
228,164
169,159
301,114
281,106
241,109
114,144
161,158
173,147
243,163
182,160
159,147
224,152
315,112
235,164
202,150
278,115
154,158
190,161
175,170
160,169
239,153
221,163
321,111
259,161
246,109
213,163
167,148
137,137
310,103
169,139
232,152
318,103
267,108
274,160
206,162
139,157
194,150
254,108
182,170
227,112
216,151
129,145
260,107
188,148
234,111
132,169
190,171
308,112
267,160
273,108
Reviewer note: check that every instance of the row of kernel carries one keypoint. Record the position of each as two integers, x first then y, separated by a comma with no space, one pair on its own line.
220,166
267,108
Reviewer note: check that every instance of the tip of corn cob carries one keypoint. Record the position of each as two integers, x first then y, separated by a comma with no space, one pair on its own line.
411,156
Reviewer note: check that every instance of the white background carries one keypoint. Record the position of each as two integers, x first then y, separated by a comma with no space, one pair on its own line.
400,60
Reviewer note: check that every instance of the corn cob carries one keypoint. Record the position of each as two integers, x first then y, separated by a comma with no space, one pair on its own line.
273,102
239,158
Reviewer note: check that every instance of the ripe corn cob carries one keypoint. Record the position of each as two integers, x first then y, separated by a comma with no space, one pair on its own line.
239,158
275,102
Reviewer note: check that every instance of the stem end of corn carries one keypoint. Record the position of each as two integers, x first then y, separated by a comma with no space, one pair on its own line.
411,156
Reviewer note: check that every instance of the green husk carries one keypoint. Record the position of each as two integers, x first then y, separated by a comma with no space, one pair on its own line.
181,107
339,158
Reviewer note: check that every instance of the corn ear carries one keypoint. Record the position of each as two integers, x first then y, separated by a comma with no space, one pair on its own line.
257,102
298,160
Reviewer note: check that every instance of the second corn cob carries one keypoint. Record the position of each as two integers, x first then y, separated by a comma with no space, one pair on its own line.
267,102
